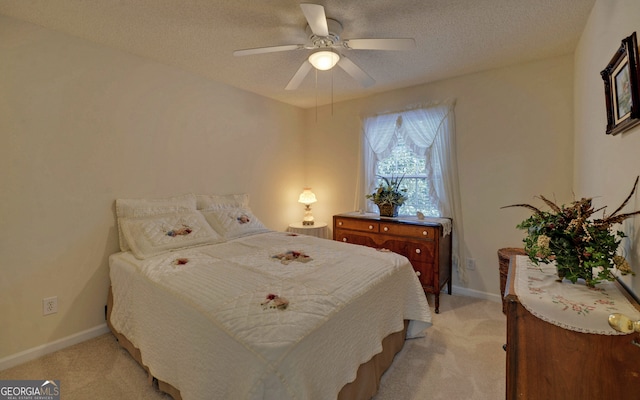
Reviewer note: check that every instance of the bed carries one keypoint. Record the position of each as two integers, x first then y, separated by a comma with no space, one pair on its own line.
214,305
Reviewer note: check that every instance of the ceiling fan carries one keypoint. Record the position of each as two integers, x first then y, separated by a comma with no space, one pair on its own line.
324,39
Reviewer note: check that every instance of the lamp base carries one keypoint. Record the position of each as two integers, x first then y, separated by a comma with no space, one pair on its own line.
308,217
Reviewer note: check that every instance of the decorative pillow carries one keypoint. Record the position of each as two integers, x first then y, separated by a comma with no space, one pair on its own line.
235,222
126,208
156,234
214,201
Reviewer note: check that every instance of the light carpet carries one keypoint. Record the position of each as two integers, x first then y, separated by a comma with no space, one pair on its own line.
461,357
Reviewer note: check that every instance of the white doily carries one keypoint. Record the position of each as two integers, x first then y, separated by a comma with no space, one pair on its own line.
571,306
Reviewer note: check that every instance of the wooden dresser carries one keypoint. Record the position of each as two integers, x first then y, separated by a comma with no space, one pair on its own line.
547,362
422,242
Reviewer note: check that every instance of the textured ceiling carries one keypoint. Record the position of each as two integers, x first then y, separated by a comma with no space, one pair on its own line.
453,37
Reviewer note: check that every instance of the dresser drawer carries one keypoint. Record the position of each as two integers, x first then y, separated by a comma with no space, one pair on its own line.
425,274
421,251
414,231
355,237
357,224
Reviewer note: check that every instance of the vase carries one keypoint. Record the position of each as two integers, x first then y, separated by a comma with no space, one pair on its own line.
388,210
562,272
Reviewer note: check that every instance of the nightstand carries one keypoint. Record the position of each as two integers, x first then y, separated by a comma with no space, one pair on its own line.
319,229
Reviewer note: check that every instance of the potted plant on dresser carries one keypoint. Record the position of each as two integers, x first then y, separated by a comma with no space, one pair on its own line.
388,196
583,247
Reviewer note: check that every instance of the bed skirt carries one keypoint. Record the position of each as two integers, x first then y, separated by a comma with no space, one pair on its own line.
365,386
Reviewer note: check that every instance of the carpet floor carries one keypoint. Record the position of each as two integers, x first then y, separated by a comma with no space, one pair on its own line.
460,357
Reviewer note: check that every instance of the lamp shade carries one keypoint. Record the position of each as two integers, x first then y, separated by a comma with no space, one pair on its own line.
324,60
307,197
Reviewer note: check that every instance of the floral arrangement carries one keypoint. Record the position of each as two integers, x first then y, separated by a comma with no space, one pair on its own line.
389,192
292,255
275,301
185,230
578,243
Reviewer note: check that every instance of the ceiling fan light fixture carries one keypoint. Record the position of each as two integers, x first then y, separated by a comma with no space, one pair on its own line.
323,38
324,60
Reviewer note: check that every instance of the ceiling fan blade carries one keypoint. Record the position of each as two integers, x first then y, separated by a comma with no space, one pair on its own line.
299,76
270,49
380,44
356,72
316,18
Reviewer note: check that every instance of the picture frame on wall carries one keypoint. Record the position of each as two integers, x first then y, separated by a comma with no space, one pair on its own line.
621,87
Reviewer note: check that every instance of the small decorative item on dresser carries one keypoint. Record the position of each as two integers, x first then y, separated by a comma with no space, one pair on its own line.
388,196
578,245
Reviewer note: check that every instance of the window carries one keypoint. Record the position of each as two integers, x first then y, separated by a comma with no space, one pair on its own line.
418,144
404,163
401,146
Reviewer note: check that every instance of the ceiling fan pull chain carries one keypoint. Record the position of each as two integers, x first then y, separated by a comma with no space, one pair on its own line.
332,92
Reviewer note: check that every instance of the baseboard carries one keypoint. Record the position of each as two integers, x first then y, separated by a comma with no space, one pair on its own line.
462,291
39,351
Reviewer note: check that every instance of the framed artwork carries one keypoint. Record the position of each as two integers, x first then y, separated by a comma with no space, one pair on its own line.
621,87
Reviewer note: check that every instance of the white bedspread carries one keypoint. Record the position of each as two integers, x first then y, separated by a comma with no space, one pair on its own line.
200,326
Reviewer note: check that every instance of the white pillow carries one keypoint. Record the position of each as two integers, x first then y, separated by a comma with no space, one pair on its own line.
215,201
235,222
155,234
126,208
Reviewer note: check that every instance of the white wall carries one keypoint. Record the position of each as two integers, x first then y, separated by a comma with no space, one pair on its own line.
515,141
82,125
606,166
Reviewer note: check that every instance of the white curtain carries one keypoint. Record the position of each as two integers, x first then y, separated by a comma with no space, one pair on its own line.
429,131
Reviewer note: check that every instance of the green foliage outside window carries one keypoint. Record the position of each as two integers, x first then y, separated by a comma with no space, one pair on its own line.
403,162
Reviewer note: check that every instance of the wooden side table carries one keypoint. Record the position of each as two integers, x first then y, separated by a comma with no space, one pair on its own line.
504,257
319,229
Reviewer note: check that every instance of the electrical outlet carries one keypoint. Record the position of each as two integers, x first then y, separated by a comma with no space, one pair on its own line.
50,305
471,264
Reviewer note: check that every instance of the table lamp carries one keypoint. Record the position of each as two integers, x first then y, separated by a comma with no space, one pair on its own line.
307,198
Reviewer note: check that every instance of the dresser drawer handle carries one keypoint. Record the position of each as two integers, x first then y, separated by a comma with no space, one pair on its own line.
418,251
344,239
425,233
418,273
386,228
339,223
370,226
